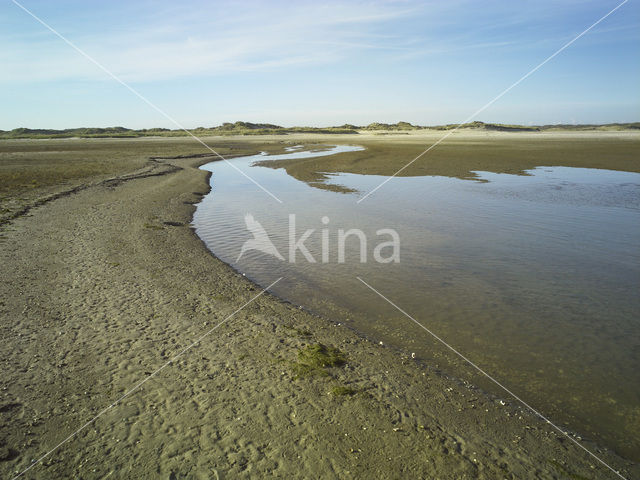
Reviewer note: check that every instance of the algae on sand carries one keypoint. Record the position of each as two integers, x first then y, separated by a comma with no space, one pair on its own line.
316,359
342,391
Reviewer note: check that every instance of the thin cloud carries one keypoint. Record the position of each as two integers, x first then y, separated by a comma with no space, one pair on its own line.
185,45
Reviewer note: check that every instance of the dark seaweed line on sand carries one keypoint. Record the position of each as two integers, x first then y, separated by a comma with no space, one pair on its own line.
109,182
153,163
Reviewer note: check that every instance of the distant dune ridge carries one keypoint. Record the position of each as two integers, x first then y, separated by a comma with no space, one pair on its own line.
248,128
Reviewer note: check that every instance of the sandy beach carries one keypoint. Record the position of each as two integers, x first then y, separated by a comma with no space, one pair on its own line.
105,282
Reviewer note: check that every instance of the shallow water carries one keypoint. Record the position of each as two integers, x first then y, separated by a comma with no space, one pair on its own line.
534,278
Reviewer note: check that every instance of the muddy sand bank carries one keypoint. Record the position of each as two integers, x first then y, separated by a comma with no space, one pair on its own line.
103,286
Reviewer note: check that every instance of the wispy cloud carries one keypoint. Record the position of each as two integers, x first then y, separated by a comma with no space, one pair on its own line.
170,41
235,37
424,61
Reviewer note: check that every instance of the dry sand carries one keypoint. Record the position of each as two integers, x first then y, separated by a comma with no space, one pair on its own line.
97,292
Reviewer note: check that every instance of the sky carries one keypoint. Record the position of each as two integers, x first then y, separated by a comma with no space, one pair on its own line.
317,63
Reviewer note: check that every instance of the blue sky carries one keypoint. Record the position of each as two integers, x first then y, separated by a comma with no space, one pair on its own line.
317,63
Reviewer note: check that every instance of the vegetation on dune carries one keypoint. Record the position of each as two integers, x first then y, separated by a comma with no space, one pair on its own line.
488,126
67,133
248,128
237,128
391,127
500,127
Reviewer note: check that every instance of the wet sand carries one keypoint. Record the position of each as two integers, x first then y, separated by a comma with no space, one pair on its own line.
101,287
465,152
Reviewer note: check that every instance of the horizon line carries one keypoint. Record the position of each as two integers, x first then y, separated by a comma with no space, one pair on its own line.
267,125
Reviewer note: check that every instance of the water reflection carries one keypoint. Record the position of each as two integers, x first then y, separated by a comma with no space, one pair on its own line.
534,278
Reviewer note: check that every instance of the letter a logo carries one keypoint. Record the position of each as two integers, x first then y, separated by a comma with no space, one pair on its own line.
260,240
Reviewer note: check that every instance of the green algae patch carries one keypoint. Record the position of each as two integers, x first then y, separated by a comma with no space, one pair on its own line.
317,359
342,391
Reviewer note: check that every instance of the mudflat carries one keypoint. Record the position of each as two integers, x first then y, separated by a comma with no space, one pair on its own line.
103,283
464,152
